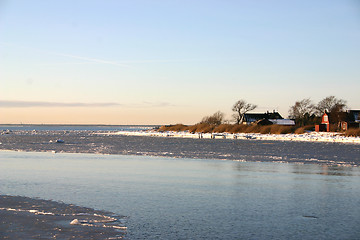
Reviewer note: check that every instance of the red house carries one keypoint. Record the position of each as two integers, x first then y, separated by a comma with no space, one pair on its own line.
325,124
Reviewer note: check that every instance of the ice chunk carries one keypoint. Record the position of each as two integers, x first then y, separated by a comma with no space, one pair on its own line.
75,222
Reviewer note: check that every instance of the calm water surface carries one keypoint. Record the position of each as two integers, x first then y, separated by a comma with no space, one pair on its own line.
55,127
167,198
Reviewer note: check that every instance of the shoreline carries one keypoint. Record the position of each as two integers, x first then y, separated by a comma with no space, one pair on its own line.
32,218
239,147
305,137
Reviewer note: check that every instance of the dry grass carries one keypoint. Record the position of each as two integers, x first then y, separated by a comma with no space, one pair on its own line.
278,129
333,128
265,129
223,128
229,128
201,127
175,128
302,130
352,132
252,129
236,128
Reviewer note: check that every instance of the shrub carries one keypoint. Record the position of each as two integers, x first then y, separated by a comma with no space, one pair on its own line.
242,128
333,128
266,129
193,128
238,128
201,127
352,132
205,128
302,130
285,130
175,128
252,129
223,128
215,119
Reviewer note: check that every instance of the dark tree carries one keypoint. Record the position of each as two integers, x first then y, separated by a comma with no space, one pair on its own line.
335,107
303,112
215,119
330,104
240,108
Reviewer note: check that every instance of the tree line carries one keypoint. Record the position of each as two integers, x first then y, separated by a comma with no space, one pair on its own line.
304,112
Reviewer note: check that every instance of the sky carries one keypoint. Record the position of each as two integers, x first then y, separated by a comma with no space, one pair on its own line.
168,62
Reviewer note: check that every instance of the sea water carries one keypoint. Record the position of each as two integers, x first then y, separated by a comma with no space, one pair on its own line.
87,141
184,198
59,127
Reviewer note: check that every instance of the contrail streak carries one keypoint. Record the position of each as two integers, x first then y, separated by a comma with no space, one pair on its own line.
92,59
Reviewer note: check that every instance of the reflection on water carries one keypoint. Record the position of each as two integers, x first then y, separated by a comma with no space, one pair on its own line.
326,170
298,169
167,198
55,127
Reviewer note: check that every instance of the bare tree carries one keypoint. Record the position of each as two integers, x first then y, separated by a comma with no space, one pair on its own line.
302,111
331,104
215,119
334,106
240,108
301,108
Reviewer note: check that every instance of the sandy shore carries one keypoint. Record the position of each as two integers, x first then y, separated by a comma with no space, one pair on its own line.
28,218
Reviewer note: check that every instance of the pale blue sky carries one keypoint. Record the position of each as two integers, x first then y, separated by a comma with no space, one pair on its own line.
161,62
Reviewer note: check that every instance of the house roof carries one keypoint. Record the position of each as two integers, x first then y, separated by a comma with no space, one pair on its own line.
252,117
286,122
354,115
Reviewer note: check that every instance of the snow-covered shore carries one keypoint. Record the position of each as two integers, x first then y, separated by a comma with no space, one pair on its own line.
306,137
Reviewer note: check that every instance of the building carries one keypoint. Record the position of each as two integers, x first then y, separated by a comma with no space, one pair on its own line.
354,117
352,120
344,120
253,117
324,126
284,122
267,118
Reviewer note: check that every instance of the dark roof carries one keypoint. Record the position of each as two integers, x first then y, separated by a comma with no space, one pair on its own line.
348,116
252,117
263,122
354,115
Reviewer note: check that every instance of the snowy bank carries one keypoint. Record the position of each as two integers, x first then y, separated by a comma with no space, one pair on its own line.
306,137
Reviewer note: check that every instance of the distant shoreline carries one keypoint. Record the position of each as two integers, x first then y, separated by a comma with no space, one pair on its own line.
75,124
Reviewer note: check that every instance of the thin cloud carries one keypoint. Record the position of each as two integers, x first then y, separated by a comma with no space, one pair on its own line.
123,63
157,104
64,63
25,104
28,104
178,60
87,59
92,60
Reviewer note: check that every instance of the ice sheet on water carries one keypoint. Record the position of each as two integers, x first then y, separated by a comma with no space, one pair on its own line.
304,148
58,220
